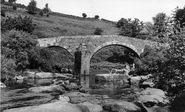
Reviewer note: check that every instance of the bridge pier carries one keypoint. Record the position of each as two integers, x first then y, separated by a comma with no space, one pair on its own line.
85,66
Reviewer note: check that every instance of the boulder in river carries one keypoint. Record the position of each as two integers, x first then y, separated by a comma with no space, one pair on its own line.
91,107
49,89
2,85
122,106
152,96
58,106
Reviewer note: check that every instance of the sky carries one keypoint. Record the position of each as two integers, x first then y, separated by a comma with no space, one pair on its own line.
112,10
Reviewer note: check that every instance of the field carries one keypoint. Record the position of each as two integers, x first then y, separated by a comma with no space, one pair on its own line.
58,24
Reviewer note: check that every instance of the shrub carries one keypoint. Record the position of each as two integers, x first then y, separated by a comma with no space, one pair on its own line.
96,17
84,15
32,9
18,23
149,61
7,67
3,13
130,28
14,7
41,13
47,15
18,45
98,31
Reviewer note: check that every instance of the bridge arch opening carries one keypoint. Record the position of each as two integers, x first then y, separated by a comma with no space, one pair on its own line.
59,59
110,56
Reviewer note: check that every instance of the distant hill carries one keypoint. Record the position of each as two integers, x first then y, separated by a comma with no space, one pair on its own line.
59,24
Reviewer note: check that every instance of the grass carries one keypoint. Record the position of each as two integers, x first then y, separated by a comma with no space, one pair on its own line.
58,24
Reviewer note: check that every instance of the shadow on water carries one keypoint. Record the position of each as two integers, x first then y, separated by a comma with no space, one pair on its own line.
115,89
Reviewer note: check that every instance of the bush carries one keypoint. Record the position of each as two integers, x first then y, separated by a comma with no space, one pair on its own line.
41,13
84,15
3,13
149,61
96,17
178,104
98,31
17,45
32,9
14,7
47,15
129,27
7,67
18,23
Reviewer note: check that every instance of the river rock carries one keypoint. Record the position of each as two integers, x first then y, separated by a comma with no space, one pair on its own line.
2,85
64,98
82,90
91,107
49,89
152,96
121,106
61,75
39,75
58,106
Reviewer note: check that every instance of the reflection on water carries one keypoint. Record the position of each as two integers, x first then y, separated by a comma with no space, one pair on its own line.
115,89
39,82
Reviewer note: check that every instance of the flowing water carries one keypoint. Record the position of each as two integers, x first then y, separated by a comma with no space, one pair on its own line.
112,89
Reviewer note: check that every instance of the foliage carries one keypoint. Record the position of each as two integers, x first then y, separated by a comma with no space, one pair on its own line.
18,23
98,31
14,7
114,54
96,17
179,17
7,67
32,8
3,13
149,61
161,25
178,104
129,28
171,75
18,45
41,13
46,10
11,1
2,1
84,15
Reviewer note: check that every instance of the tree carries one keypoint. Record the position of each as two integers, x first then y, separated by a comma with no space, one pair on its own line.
96,17
3,13
179,17
46,10
172,72
84,15
32,8
129,28
19,23
18,45
98,31
161,25
12,1
149,61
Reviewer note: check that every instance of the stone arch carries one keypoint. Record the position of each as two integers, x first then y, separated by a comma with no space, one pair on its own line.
62,56
114,43
64,48
86,60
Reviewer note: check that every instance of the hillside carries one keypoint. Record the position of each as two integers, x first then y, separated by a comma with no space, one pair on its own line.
58,24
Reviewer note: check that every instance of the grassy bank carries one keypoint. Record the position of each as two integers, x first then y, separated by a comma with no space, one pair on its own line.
59,24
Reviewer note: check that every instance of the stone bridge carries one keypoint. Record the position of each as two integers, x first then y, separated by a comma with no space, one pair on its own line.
89,45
